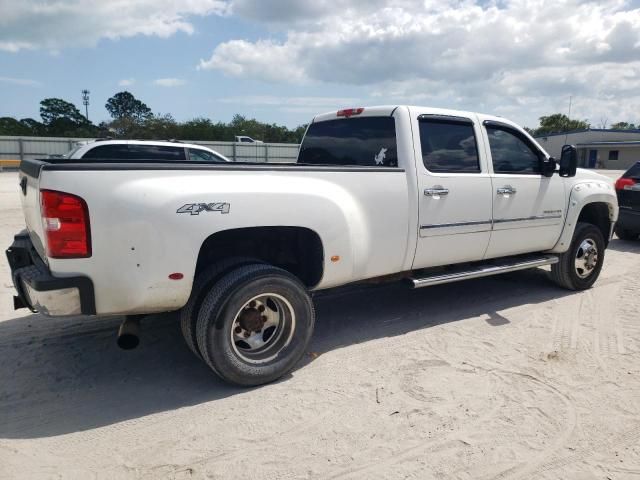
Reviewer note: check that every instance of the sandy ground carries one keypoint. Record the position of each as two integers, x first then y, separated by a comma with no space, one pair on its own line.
499,378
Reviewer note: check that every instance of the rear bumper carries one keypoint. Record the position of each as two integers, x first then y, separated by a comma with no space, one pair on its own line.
40,291
629,219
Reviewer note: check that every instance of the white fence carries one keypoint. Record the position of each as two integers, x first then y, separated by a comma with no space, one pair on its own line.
21,148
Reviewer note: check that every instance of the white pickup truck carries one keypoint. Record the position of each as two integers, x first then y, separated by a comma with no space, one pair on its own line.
428,195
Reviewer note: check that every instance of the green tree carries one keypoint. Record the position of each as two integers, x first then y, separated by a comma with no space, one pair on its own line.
623,126
161,127
55,109
124,105
34,127
203,129
11,126
559,122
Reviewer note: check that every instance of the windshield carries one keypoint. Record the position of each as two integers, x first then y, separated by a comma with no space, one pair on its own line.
366,141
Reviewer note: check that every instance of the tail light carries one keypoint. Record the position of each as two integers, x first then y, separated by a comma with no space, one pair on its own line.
65,219
349,112
625,183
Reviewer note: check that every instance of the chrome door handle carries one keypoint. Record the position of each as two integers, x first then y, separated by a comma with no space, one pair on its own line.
506,190
436,191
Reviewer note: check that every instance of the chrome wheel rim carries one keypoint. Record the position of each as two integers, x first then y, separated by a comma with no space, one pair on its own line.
586,258
262,328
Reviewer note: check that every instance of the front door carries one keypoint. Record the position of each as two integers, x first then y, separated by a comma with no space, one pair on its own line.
454,190
528,208
593,158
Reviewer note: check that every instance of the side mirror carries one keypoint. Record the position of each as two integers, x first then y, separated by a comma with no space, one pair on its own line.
568,161
549,166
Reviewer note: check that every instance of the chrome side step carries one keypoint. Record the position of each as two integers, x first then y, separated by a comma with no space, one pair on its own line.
484,271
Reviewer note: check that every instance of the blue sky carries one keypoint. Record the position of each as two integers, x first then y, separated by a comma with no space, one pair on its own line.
283,61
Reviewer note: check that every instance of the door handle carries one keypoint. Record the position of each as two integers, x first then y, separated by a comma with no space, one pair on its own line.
506,190
436,191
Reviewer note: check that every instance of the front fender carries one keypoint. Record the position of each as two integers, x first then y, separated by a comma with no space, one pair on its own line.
582,194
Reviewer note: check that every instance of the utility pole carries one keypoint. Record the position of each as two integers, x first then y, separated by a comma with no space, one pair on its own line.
569,116
85,102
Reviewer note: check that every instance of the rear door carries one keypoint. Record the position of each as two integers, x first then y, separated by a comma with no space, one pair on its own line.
454,190
528,208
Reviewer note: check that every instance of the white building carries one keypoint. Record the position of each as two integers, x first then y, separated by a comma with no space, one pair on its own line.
597,148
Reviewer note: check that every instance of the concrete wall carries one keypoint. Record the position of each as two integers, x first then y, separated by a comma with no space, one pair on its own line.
20,148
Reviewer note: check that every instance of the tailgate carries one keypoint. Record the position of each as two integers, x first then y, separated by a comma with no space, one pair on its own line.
29,180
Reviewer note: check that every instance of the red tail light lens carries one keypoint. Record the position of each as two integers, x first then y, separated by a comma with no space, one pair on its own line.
349,112
625,183
65,219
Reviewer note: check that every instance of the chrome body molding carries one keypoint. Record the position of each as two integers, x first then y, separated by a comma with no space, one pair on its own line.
490,222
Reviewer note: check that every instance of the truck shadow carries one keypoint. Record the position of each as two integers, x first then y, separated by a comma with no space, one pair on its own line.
625,246
67,375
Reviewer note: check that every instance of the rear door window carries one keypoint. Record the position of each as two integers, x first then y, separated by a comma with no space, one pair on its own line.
449,145
108,152
366,141
198,155
156,152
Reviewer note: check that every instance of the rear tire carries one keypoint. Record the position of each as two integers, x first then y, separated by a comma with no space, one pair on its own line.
254,325
201,286
624,234
580,266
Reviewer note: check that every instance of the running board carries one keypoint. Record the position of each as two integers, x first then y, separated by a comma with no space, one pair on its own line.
484,271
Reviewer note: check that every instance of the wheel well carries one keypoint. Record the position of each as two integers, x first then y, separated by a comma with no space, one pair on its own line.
597,214
295,249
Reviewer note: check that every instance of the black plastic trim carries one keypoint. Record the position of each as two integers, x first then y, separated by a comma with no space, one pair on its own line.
457,224
32,167
102,166
446,118
27,266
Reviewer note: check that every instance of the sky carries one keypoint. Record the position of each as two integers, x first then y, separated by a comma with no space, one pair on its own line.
284,61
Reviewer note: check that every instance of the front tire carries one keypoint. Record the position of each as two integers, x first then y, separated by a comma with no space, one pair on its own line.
580,266
254,325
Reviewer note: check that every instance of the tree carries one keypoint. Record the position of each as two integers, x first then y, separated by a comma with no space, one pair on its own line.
623,126
34,127
559,122
161,127
124,105
11,126
56,109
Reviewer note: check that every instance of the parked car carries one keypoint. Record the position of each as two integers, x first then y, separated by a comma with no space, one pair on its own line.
144,150
245,139
628,191
429,195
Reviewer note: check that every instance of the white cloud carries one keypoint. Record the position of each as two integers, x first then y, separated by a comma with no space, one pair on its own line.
126,82
25,82
32,24
169,82
521,56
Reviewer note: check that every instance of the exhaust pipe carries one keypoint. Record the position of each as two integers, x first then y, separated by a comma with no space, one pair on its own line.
129,332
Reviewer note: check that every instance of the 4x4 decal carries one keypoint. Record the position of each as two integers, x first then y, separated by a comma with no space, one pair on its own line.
196,208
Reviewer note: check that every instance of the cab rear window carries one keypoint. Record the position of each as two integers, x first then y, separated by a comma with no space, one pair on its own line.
365,141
